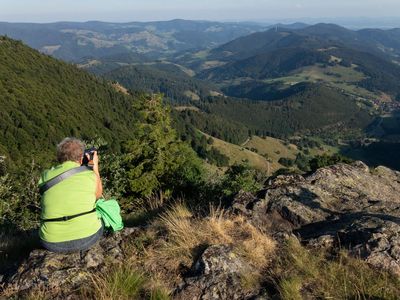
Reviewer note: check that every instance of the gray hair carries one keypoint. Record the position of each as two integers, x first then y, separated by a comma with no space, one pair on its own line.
70,149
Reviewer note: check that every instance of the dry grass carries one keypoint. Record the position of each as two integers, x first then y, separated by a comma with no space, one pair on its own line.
185,237
39,293
119,88
302,273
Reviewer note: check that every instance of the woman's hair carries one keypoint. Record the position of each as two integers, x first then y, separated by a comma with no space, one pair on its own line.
70,149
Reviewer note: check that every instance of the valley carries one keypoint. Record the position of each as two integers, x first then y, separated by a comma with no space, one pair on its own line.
316,77
240,80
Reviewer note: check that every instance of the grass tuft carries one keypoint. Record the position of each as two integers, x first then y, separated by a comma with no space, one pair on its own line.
124,282
185,237
303,273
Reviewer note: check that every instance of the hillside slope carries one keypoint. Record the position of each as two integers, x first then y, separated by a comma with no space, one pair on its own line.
43,100
259,153
315,108
168,79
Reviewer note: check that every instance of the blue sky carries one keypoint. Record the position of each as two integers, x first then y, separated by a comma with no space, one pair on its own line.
144,10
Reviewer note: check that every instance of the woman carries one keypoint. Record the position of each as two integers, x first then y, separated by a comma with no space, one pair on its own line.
69,221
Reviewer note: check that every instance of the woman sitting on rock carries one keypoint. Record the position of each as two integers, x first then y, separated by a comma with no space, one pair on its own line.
69,220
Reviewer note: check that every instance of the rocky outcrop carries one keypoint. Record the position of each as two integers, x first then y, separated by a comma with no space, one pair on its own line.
217,274
343,205
62,275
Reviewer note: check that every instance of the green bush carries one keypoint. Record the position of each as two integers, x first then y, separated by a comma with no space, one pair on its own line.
20,199
241,177
302,162
327,160
286,162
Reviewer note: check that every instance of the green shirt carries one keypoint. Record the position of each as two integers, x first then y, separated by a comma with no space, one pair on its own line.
74,195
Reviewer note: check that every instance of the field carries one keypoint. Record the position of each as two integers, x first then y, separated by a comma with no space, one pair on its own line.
264,155
240,155
273,149
317,73
338,76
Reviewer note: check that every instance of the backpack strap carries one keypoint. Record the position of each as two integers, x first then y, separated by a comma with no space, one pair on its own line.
66,218
52,182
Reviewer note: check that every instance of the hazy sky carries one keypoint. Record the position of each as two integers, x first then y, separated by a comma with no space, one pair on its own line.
144,10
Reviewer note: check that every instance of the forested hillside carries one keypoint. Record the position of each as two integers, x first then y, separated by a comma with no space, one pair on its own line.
328,49
43,100
378,42
312,108
167,79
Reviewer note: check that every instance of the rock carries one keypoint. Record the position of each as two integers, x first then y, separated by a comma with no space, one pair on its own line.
376,240
217,274
340,205
63,274
323,241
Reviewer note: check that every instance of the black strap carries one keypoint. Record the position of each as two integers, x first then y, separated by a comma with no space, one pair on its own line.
69,217
52,182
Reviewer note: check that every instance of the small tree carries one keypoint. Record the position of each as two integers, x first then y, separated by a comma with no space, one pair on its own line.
155,158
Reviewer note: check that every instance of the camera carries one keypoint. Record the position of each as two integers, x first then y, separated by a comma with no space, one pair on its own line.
88,152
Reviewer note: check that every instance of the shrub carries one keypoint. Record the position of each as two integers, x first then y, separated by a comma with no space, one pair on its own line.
20,199
241,177
326,160
286,162
302,162
123,282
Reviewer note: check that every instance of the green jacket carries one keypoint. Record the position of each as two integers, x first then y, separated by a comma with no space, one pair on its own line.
110,213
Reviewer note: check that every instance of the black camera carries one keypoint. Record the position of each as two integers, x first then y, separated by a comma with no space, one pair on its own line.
86,161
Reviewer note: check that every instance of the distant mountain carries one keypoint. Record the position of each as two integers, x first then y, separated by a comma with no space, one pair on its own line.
311,37
267,64
387,40
322,52
297,25
43,100
74,41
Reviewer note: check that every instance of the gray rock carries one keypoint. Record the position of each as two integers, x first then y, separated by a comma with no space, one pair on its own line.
62,274
341,205
217,275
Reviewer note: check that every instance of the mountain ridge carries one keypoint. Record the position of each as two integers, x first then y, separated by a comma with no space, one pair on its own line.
76,40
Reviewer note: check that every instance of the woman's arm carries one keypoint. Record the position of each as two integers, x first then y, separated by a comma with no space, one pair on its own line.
99,185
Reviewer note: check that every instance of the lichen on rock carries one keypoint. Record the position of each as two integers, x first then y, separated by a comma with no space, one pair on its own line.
345,205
